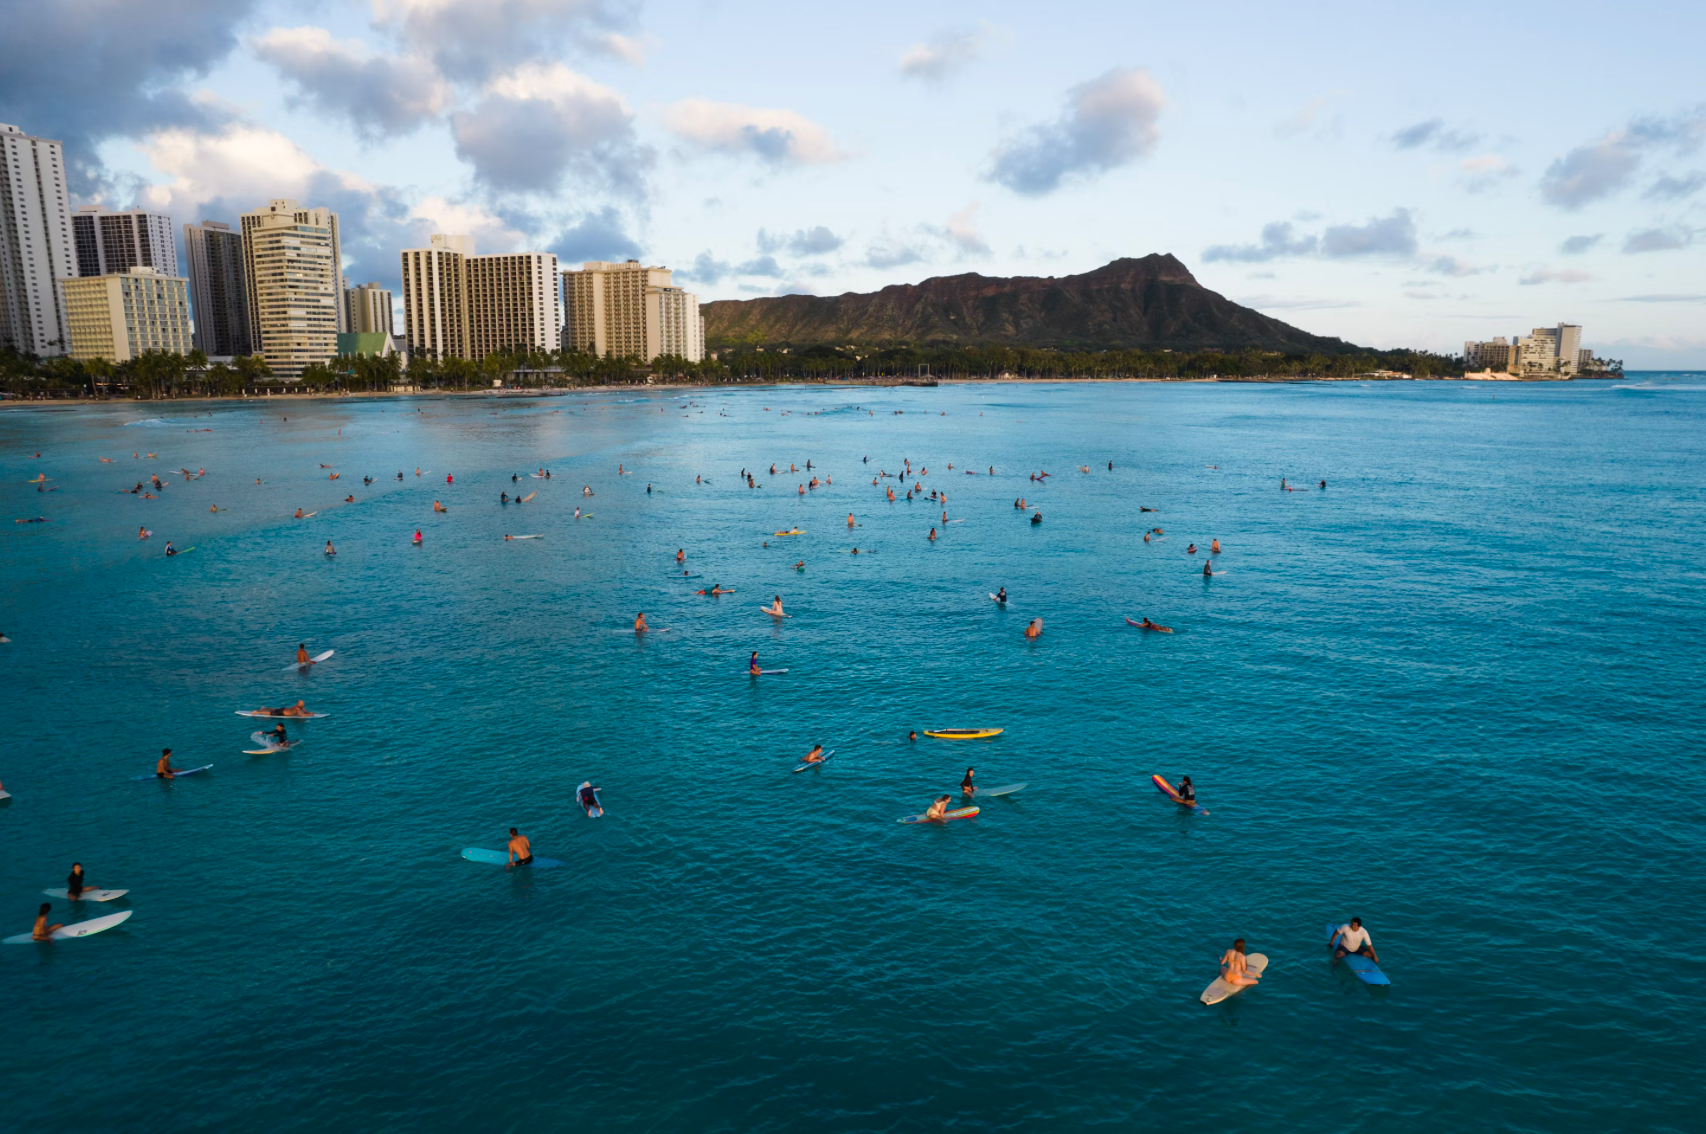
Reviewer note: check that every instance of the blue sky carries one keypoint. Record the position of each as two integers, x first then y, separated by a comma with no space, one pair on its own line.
1396,177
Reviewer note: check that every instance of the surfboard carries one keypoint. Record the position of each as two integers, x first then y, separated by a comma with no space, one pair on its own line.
311,661
1166,789
964,733
996,598
1219,990
270,751
305,515
264,739
956,813
773,614
1366,970
80,929
177,775
281,716
523,537
766,671
501,858
796,531
1005,789
597,808
5,795
1141,626
803,765
87,895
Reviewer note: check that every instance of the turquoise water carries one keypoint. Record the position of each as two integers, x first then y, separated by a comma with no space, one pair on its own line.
1458,693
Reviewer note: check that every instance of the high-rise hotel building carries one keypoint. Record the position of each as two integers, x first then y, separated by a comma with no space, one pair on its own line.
459,305
121,315
219,293
109,242
318,217
292,276
630,311
367,310
36,249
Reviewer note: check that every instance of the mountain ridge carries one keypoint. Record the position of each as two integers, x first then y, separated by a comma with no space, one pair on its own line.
1152,302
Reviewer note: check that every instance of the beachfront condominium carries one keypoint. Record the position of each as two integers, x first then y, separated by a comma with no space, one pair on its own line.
36,249
367,310
1496,355
121,315
218,289
1547,350
318,217
109,241
622,311
292,276
460,305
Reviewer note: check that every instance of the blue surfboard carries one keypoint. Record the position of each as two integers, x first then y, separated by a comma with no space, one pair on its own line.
1366,970
501,858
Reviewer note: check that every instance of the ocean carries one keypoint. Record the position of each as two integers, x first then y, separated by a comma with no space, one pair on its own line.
1456,692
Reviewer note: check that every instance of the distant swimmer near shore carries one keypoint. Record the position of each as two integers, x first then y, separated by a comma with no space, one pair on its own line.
437,507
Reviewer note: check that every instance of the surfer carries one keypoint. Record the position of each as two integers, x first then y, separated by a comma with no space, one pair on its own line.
276,737
503,498
752,664
966,786
349,500
849,519
417,538
1233,968
1214,547
587,796
1035,629
75,884
1001,595
932,534
938,812
1148,625
437,507
815,756
43,931
330,550
1191,550
1323,484
520,850
298,515
1145,537
164,769
302,657
1186,792
170,550
775,607
1207,570
1037,519
640,626
1352,938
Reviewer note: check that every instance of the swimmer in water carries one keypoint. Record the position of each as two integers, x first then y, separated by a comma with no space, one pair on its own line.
330,550
680,555
968,788
913,735
849,519
437,507
800,566
1035,629
640,626
932,534
1145,537
298,515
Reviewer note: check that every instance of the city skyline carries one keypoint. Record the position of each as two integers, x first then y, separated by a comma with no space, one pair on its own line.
1357,174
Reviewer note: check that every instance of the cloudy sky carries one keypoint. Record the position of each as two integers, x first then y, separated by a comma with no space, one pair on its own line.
1409,176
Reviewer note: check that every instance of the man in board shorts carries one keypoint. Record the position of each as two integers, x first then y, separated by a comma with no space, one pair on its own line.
520,850
1352,938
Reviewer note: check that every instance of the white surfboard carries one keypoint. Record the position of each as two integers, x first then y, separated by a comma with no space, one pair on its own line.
1219,990
773,614
1004,789
803,764
311,661
87,895
80,929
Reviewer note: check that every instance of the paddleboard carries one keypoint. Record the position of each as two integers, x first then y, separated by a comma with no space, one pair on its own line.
956,813
1141,626
594,811
176,775
501,858
964,733
1166,789
311,661
1005,789
87,895
803,764
773,614
1365,969
281,716
1219,990
80,929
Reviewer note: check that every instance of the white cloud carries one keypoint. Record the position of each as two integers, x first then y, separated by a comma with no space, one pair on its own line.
1548,275
777,136
1453,266
472,40
1658,240
1381,236
962,231
1601,168
378,94
1278,239
1108,122
1435,133
945,53
542,121
629,49
815,241
491,232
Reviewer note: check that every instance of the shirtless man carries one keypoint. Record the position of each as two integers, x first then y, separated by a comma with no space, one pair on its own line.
520,850
330,550
938,811
298,515
815,756
680,555
849,519
1234,969
43,931
302,657
1148,625
1035,629
164,770
1352,938
1214,547
640,626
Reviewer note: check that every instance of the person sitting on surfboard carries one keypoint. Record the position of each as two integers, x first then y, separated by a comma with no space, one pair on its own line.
1214,547
1037,519
298,514
680,555
938,812
640,626
815,756
276,736
520,850
752,662
1352,938
164,769
170,550
1186,792
302,657
417,538
75,884
43,931
775,606
1233,968
1206,569
966,786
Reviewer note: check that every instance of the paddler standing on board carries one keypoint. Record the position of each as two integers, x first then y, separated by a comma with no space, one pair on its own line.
1352,938
520,850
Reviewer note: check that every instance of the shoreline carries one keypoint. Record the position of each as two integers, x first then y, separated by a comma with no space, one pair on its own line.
867,383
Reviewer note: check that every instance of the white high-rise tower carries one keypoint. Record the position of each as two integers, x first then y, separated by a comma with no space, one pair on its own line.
36,248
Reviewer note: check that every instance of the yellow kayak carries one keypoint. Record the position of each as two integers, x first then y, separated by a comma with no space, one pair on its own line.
796,531
964,733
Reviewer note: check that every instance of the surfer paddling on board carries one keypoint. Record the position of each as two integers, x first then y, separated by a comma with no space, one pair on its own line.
164,770
1352,938
1148,625
276,736
1234,970
968,788
520,850
938,812
815,756
43,931
297,710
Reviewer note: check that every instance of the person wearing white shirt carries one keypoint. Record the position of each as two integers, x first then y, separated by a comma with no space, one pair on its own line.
1352,938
